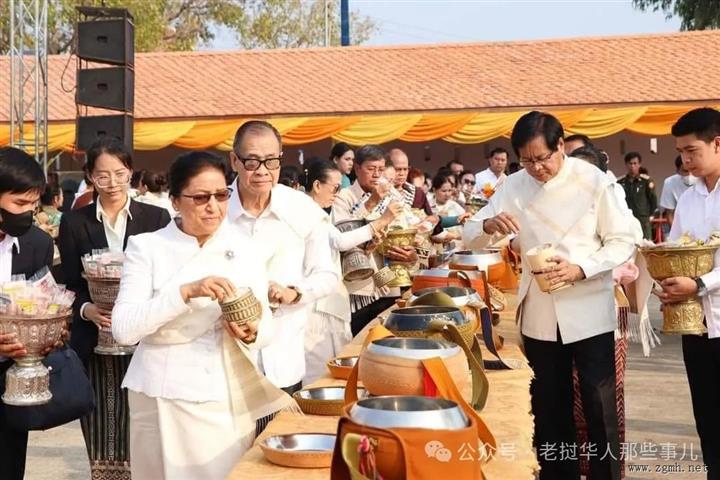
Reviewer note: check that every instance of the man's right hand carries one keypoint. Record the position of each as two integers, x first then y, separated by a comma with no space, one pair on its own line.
503,223
99,316
10,347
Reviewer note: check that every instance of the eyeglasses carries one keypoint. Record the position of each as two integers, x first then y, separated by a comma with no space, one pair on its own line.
105,180
252,164
336,188
203,198
540,161
469,182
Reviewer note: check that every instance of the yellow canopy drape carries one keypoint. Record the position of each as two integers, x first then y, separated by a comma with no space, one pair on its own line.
456,127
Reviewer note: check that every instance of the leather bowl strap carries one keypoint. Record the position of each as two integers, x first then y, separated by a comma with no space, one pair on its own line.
480,384
448,390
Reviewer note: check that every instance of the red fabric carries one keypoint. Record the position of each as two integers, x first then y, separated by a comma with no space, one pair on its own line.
430,389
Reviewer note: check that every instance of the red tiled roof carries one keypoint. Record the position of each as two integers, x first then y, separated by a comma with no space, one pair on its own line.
649,69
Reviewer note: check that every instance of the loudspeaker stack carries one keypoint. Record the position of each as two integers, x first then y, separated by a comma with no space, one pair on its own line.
105,75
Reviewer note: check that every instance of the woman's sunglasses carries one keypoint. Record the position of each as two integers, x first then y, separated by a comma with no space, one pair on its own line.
203,198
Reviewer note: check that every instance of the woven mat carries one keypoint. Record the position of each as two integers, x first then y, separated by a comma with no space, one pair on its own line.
507,413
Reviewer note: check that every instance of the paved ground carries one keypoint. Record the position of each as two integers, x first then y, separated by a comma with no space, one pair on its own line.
659,420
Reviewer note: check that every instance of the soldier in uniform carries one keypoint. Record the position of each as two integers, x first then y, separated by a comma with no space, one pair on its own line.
639,192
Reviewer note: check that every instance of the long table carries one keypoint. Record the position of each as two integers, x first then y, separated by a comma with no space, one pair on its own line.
507,414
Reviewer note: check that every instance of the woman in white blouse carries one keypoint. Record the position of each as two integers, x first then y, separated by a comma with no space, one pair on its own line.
328,327
194,391
152,188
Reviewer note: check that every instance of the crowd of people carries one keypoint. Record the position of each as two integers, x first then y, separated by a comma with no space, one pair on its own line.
198,390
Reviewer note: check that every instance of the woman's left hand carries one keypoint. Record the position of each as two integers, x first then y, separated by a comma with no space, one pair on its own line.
246,333
563,271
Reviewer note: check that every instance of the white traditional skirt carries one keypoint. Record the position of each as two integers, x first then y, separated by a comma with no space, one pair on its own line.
181,440
325,337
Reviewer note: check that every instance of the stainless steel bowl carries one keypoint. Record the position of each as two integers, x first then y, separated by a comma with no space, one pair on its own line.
461,296
419,318
327,393
349,225
344,361
415,348
301,442
409,412
481,259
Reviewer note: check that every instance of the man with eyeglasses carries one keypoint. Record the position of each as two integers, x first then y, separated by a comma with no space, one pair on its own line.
288,228
571,205
494,174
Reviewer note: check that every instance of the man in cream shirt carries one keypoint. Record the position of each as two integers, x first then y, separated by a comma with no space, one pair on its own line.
697,137
288,227
494,174
570,204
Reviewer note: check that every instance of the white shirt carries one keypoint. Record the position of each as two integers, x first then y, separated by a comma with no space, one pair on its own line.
599,238
159,200
673,187
293,233
115,234
150,303
485,177
6,256
698,213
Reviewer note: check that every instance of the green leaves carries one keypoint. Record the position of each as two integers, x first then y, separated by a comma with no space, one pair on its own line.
695,14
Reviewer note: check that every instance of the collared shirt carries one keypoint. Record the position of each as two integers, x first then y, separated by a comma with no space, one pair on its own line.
593,233
6,256
292,234
114,233
485,177
673,187
150,306
698,213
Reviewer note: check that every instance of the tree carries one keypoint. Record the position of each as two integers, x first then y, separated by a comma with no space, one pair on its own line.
695,14
298,23
162,25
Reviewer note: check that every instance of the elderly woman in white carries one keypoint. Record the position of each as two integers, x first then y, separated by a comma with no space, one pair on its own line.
328,327
194,391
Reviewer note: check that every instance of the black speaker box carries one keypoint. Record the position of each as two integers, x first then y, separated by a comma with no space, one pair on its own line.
90,129
107,41
111,88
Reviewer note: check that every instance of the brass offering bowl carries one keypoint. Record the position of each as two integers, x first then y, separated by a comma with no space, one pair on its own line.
103,293
682,318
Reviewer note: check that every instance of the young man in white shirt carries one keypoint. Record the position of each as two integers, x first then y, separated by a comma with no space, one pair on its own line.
494,174
697,137
674,186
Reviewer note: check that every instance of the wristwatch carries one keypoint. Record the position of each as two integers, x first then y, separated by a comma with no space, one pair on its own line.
701,288
298,297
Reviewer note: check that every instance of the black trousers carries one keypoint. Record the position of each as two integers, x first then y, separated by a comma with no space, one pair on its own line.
365,315
702,364
13,443
552,405
262,423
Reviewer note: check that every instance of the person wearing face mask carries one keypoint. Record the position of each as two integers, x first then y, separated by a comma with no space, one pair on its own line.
105,224
673,187
328,328
575,326
24,249
291,227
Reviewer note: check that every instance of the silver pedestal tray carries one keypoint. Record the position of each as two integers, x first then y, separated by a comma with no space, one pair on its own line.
27,382
103,293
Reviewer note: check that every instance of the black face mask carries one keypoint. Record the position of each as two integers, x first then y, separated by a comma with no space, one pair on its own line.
15,224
